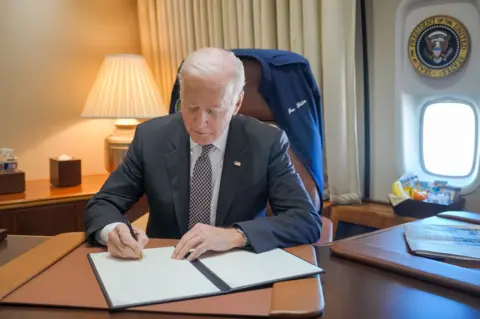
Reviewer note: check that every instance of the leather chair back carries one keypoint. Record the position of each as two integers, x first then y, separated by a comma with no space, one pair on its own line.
255,106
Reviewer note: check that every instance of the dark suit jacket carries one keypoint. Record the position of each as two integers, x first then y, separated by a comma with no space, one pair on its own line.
158,165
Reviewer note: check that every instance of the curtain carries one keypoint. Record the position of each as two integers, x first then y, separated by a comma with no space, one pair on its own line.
342,92
171,29
325,32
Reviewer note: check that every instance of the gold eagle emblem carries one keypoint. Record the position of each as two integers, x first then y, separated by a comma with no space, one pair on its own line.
438,46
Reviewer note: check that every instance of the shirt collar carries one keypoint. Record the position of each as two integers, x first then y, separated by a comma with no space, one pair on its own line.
220,143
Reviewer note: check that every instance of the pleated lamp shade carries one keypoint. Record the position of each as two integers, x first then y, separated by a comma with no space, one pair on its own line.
124,88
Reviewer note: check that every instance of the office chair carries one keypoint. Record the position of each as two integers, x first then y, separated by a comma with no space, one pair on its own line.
254,105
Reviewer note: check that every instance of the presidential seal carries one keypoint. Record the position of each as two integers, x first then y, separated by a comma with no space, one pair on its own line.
438,46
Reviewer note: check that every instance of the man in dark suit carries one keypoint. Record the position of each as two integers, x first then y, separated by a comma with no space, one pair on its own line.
207,173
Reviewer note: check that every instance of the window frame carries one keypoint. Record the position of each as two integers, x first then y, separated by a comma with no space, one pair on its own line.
475,150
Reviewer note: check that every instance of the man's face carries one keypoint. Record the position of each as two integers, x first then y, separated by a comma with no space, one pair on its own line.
204,113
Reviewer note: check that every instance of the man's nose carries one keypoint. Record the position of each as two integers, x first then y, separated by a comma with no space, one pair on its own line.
201,119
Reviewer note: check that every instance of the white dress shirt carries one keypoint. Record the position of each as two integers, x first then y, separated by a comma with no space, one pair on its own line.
216,155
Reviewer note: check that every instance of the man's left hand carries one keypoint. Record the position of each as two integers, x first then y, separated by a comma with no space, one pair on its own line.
203,238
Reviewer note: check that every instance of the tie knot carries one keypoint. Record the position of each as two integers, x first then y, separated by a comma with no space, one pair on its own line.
206,149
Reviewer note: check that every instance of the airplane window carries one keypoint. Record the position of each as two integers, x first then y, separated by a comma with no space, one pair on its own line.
448,138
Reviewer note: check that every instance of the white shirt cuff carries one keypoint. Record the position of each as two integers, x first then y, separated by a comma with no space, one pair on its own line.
102,235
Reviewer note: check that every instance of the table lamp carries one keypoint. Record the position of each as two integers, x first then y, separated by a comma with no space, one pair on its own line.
124,90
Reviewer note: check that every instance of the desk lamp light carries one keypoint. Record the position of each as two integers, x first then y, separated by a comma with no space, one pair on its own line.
124,90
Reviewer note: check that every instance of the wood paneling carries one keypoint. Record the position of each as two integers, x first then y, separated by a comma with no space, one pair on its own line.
47,211
7,221
45,220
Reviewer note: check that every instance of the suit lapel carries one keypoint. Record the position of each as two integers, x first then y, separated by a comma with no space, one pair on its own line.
234,164
178,167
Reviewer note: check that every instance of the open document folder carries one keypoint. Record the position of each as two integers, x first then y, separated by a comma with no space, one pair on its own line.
459,242
159,278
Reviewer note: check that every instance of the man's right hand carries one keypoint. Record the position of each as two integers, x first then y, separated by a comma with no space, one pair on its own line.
122,244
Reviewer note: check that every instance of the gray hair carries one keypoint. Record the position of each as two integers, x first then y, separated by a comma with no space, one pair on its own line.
211,62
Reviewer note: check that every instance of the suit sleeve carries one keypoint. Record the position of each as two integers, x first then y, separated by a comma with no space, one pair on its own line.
122,189
296,221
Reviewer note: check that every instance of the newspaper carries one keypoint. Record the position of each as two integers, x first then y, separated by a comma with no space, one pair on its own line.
457,242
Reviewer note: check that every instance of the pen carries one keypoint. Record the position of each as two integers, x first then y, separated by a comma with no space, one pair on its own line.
132,233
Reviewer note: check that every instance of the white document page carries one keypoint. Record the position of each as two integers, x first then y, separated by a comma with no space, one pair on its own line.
155,278
240,268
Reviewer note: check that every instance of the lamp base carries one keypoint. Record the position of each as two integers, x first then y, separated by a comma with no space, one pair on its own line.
117,143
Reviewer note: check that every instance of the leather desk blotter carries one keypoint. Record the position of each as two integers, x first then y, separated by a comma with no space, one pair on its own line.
23,268
387,249
3,234
71,282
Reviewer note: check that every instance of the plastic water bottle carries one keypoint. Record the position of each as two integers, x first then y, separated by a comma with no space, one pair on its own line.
9,160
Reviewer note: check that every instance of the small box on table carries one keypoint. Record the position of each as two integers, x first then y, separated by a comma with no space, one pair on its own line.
65,173
12,182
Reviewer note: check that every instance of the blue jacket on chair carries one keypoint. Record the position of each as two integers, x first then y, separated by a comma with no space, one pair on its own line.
290,90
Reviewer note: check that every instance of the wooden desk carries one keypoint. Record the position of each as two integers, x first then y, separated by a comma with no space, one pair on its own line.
387,249
15,245
367,214
46,210
351,290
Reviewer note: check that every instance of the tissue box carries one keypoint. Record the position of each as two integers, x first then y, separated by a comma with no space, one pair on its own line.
12,182
65,173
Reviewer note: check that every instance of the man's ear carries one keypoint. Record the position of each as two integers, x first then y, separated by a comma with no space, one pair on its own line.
239,103
178,106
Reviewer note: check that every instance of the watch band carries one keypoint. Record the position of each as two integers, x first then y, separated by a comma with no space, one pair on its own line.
245,239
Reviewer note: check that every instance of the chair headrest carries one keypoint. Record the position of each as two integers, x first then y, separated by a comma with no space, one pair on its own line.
254,104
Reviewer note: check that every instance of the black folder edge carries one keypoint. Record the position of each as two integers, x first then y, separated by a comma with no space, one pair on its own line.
210,275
